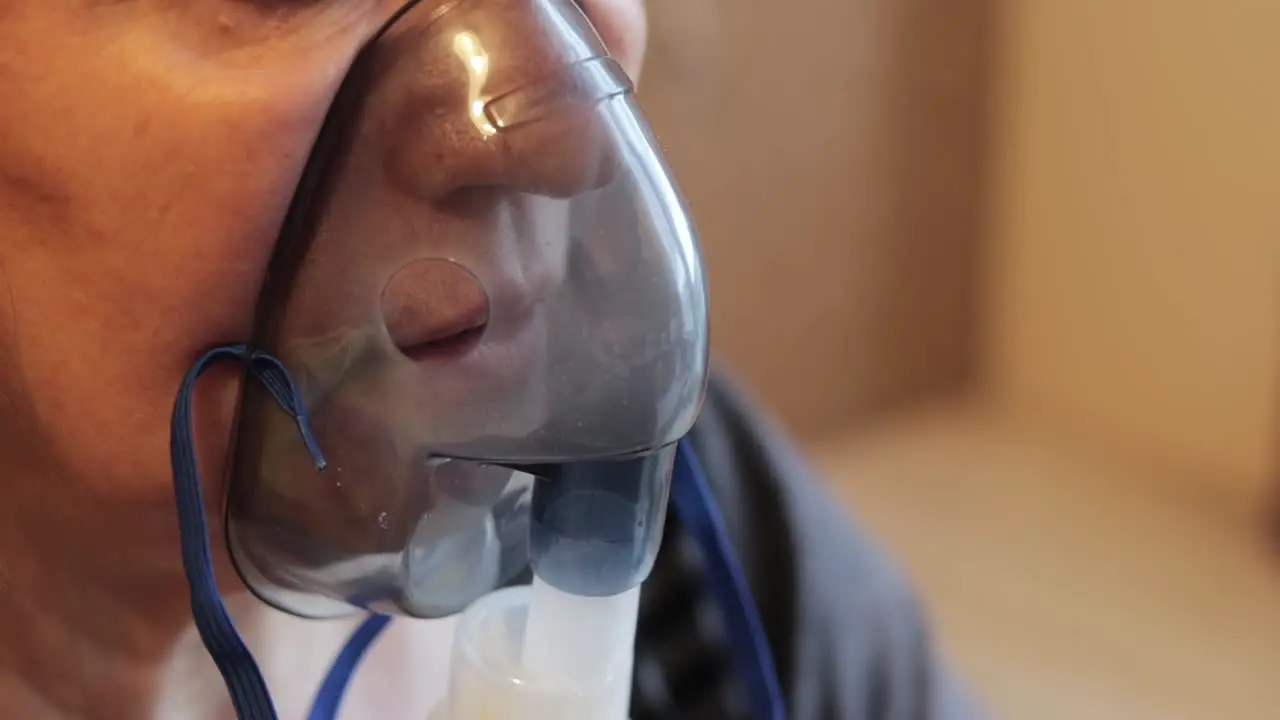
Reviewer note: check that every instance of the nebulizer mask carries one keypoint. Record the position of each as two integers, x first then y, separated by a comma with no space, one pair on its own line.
479,344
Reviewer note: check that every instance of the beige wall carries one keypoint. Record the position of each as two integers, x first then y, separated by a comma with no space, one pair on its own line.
1136,217
831,152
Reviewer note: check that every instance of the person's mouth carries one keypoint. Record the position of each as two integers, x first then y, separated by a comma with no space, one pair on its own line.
442,338
439,316
451,345
435,310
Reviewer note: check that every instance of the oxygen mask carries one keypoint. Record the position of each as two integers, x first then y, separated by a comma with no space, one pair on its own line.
486,282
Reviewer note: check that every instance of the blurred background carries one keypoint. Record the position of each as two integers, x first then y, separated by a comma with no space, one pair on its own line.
1010,270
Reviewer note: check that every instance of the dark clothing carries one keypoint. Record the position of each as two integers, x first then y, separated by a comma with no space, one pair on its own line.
848,636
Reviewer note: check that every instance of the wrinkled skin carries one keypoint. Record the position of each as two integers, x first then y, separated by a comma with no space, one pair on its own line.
148,151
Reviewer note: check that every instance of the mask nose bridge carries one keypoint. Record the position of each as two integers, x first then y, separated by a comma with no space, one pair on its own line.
493,94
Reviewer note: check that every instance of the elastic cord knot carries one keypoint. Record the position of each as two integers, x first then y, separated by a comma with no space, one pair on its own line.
276,379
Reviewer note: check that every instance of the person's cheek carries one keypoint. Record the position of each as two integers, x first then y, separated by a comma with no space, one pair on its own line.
624,27
166,175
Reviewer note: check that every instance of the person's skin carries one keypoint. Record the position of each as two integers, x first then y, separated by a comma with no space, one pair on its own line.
148,150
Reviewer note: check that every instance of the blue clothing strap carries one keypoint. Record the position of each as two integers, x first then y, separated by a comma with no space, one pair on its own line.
696,507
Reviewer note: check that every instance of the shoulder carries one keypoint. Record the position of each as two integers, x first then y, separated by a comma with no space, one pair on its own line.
849,638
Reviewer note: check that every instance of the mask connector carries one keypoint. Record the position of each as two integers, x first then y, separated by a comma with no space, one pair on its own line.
595,527
563,648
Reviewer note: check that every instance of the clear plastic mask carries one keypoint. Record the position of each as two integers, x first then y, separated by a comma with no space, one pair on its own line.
486,276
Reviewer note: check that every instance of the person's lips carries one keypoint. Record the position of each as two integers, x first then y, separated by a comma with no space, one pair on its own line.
435,309
440,317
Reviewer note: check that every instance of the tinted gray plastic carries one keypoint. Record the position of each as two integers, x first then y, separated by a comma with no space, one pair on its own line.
486,266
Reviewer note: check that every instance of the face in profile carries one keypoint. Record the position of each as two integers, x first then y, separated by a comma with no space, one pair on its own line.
418,268
419,287
485,265
149,152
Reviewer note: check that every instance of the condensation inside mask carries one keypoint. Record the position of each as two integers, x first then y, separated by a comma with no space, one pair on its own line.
486,267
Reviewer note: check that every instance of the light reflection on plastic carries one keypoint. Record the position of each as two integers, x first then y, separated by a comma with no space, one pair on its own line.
473,55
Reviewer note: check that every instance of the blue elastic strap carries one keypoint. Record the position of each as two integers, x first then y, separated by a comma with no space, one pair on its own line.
249,694
696,507
334,687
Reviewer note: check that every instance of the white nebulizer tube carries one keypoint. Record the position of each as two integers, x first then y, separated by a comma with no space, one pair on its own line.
563,647
583,643
536,653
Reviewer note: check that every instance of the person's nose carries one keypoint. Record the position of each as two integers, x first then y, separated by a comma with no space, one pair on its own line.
498,94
